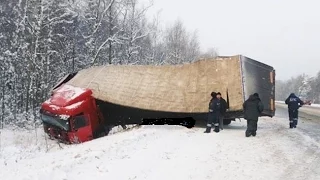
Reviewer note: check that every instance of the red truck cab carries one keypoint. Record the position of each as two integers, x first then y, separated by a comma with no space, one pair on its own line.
71,115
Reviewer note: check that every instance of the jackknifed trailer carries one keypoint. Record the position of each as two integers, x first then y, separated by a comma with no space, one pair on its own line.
94,100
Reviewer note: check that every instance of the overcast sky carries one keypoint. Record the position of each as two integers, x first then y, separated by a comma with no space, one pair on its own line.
282,33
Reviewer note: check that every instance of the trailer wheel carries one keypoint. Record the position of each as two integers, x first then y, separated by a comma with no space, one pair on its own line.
227,121
189,122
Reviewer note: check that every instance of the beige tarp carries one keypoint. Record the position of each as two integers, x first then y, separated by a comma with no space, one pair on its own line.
179,88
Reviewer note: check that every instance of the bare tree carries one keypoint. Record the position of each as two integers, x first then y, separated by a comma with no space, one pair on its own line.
211,53
193,50
176,42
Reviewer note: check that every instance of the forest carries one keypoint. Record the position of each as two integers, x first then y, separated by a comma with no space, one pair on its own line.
41,41
305,86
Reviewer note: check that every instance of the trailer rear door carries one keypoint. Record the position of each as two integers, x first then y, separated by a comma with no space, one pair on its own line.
259,78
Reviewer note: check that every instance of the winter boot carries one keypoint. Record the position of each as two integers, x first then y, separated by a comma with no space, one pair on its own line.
248,134
216,127
208,130
295,122
291,124
254,133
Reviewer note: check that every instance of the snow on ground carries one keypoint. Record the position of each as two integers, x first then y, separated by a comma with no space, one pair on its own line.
167,152
18,145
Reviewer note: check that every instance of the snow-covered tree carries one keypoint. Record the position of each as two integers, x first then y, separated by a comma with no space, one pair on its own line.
176,42
135,33
210,53
305,87
43,40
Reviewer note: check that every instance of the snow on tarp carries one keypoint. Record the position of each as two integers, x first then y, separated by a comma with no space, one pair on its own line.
179,88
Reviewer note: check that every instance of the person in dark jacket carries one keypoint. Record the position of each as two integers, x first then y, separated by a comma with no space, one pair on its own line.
214,113
253,108
223,109
294,103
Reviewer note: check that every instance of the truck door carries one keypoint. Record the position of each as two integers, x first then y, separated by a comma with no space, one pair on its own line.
81,128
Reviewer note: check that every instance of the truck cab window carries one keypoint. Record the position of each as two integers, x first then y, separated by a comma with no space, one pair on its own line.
80,121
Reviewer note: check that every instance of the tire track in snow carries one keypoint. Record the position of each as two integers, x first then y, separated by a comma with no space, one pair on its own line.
302,164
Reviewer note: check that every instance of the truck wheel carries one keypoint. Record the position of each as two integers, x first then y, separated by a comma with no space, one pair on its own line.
189,123
227,121
102,134
103,131
107,130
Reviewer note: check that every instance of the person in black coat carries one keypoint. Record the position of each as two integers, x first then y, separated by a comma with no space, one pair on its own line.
214,113
223,109
294,103
253,108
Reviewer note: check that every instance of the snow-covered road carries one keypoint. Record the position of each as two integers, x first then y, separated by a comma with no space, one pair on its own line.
169,152
309,120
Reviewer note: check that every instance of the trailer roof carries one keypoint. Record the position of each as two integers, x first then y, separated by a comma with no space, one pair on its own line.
167,88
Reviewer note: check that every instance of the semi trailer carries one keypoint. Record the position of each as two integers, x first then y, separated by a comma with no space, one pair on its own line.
85,105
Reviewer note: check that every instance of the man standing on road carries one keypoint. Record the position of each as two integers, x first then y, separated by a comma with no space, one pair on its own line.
214,113
294,103
252,107
223,109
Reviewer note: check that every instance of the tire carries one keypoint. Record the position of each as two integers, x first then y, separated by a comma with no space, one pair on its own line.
107,130
190,122
103,131
102,134
227,121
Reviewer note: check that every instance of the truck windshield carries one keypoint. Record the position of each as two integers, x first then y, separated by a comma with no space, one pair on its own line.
56,121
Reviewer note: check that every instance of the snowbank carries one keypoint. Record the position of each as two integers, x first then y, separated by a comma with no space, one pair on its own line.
312,105
315,105
167,152
18,145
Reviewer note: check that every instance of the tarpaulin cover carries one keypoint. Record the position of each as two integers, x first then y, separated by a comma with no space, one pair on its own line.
168,88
